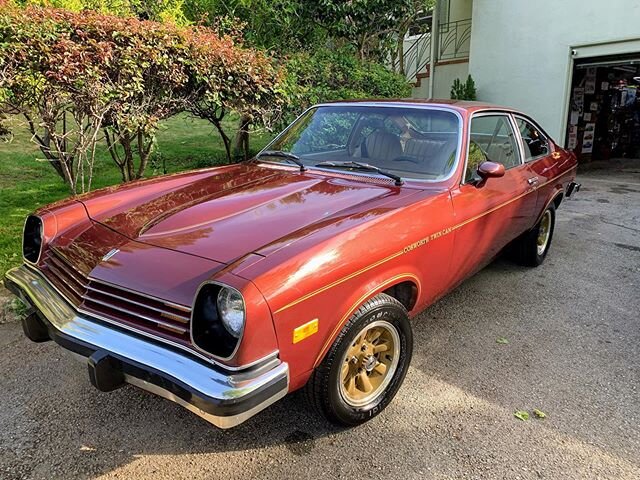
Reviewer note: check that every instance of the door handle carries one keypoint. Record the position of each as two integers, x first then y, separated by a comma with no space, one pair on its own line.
532,180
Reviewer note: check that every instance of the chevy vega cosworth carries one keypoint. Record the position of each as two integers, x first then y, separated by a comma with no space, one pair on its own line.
226,288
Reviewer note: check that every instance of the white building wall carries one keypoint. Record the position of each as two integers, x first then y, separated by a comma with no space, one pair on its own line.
445,75
460,10
521,50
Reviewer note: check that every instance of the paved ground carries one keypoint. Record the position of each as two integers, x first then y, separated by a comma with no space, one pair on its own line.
573,328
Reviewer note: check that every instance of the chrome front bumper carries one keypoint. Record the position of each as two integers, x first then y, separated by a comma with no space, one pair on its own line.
223,397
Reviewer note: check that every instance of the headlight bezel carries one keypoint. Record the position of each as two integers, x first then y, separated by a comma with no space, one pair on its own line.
214,338
28,229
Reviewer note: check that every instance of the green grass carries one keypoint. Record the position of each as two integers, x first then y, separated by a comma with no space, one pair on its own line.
27,182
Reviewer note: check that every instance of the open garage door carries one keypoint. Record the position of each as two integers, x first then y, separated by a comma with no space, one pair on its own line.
604,111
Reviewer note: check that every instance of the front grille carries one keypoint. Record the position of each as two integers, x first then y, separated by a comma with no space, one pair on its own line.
115,303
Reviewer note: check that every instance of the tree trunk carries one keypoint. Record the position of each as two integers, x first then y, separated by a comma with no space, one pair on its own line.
44,143
241,143
225,138
113,151
144,151
127,162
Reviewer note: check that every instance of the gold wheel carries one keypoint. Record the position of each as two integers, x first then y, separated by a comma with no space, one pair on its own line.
369,363
544,232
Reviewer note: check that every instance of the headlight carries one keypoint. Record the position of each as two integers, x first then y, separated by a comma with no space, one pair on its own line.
231,309
32,239
218,319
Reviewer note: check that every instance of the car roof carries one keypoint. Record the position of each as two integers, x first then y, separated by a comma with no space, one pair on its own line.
460,105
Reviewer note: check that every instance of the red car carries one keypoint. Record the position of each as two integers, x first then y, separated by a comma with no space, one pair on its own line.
224,289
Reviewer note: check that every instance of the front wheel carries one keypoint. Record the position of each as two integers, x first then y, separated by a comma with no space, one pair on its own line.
366,364
531,248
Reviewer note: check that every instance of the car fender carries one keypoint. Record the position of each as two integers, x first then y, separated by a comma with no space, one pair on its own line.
556,193
367,294
331,309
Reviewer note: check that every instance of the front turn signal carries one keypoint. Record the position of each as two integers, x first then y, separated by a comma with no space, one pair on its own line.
306,330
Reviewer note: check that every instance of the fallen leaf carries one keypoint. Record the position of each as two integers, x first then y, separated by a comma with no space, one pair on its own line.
521,415
539,413
502,341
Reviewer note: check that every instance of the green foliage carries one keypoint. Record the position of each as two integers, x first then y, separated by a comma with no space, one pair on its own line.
122,76
125,75
336,74
463,91
367,24
276,25
158,10
539,413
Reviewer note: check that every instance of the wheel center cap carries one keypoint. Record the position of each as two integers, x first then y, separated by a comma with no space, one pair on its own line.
369,363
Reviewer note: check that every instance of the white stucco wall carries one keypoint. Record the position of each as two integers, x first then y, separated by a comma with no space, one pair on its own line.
460,10
445,76
521,50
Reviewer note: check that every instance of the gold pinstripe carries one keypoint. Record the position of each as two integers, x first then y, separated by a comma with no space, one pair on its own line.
401,252
342,280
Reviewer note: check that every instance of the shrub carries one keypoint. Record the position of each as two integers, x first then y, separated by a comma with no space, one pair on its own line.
229,78
337,74
120,76
56,85
463,91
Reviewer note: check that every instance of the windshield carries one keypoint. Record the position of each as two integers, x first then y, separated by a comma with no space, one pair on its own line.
419,143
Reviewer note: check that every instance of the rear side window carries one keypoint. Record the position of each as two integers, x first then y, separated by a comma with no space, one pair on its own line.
492,139
535,143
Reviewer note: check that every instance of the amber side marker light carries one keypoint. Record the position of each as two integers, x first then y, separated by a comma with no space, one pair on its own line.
306,330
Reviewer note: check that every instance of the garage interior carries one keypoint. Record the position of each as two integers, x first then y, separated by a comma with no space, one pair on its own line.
604,113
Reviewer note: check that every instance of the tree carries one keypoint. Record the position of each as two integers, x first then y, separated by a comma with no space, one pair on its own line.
158,10
396,48
279,26
44,78
230,78
121,76
336,74
148,80
369,25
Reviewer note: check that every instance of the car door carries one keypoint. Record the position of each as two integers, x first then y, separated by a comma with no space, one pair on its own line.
489,214
539,156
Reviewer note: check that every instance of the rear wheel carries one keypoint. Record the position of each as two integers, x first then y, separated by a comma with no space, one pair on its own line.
531,248
366,364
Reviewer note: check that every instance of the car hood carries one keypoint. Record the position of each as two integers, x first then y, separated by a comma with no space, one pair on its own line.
223,214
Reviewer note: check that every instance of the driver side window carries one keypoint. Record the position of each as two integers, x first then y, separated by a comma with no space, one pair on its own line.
492,139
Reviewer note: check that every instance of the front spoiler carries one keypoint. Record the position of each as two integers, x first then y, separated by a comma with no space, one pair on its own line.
223,397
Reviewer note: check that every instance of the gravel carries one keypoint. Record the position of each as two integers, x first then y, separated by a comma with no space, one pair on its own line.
572,328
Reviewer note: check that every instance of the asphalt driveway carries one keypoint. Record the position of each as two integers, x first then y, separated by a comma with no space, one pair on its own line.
573,352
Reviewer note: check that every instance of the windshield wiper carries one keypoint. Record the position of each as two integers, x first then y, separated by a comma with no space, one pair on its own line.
286,155
362,166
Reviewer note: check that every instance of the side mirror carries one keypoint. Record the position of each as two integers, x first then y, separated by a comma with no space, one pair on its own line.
488,170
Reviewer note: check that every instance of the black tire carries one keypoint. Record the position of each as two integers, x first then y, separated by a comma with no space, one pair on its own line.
525,248
323,390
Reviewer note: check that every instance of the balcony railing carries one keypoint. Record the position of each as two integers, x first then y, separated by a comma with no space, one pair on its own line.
454,40
416,56
454,43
